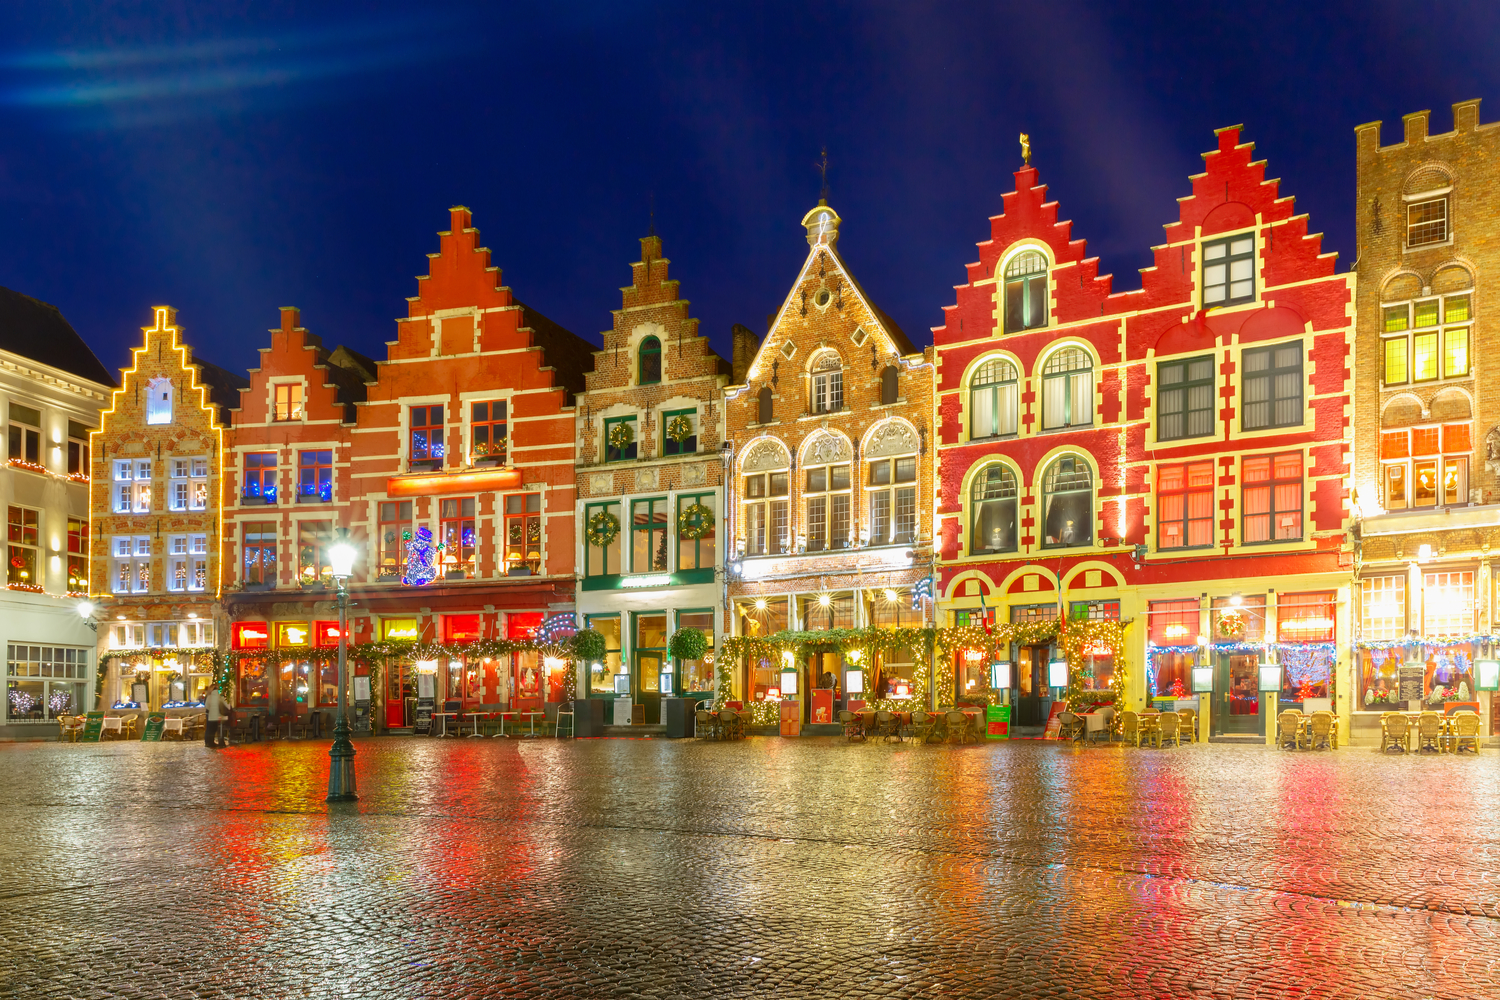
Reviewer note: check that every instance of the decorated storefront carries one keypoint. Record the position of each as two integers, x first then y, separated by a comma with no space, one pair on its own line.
155,679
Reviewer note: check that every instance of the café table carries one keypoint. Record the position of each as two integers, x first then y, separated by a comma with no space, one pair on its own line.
445,716
475,716
531,719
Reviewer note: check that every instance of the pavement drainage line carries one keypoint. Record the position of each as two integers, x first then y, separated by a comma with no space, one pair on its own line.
1002,858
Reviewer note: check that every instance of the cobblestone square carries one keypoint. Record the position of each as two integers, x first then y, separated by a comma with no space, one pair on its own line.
764,868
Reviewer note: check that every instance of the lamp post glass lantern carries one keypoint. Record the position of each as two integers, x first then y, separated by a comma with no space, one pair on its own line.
341,754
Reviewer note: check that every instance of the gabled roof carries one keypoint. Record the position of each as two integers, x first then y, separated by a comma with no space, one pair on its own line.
223,386
36,330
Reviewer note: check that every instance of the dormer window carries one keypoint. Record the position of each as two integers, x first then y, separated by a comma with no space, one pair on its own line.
159,401
1229,271
289,402
1427,222
1026,292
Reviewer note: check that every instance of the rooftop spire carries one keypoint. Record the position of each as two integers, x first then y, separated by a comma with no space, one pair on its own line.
822,166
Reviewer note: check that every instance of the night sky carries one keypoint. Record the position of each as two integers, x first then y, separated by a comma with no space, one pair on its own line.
231,158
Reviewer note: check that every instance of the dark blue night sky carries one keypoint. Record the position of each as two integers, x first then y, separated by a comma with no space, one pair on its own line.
231,158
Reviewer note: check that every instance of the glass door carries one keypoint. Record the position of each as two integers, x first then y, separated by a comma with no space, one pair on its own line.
1031,685
398,687
650,658
1237,695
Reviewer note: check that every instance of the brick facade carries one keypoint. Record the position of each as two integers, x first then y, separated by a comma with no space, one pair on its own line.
1425,415
653,369
817,549
155,500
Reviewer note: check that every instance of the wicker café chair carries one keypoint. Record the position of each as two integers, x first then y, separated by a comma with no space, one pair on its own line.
1289,730
957,725
1394,733
854,727
922,724
1321,737
1465,732
1187,728
1070,727
1168,727
1130,728
888,726
1429,733
705,726
731,725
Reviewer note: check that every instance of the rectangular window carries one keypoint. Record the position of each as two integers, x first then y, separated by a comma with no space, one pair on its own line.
313,541
1455,352
131,561
619,439
177,563
1229,270
1395,349
1427,222
1185,401
1425,466
1448,603
260,554
679,432
893,506
1272,388
427,436
260,477
22,531
523,534
141,501
602,560
1424,357
697,676
827,507
697,531
1397,319
187,486
828,392
394,527
1382,607
78,450
314,476
766,521
25,435
1185,501
488,437
289,402
78,556
1305,617
1271,498
456,532
648,536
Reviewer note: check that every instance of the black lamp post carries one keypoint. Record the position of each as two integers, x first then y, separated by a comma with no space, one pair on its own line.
341,754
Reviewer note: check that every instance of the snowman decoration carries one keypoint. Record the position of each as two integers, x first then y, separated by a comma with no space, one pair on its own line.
421,558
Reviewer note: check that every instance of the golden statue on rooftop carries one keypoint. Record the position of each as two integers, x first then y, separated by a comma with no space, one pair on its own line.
1026,148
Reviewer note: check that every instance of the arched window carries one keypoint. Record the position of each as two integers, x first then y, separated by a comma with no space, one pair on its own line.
1026,292
993,503
1068,499
650,361
159,401
828,383
992,400
888,385
1068,389
765,415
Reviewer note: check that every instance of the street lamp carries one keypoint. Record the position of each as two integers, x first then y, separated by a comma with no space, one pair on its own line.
341,755
86,611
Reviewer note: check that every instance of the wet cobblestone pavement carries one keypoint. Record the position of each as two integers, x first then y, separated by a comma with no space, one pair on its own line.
767,868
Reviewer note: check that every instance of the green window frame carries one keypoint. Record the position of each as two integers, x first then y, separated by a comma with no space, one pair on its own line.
1026,292
1229,270
669,445
605,561
627,453
601,682
648,535
1185,398
707,628
649,370
697,553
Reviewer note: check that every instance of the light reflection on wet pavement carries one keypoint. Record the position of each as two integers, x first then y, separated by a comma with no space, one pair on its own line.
766,868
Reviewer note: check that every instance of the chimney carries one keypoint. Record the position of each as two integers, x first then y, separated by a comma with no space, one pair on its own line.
746,343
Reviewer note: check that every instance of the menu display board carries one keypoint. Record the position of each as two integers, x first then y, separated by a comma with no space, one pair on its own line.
151,731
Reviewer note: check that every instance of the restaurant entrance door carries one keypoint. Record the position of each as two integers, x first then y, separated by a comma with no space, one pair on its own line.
1031,685
399,685
1236,707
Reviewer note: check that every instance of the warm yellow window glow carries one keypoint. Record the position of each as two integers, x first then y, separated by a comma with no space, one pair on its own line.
1395,319
1395,361
1456,309
1456,352
1424,356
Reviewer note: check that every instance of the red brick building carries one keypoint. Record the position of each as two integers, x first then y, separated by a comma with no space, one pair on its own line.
460,450
1174,455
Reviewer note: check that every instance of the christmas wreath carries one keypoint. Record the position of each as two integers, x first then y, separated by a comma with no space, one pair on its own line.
679,428
620,436
695,521
602,528
1232,625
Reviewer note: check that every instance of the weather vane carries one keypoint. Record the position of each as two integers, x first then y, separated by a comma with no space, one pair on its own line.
822,166
1026,148
651,227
